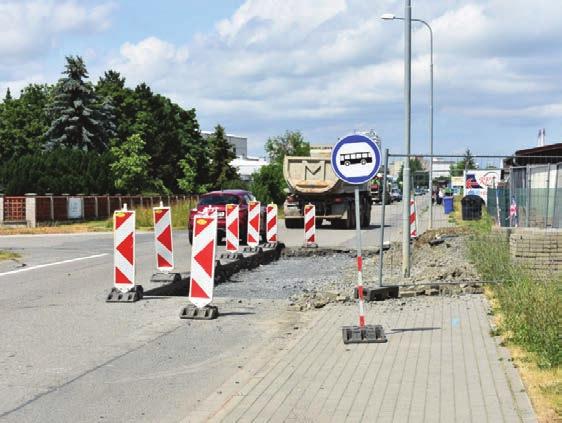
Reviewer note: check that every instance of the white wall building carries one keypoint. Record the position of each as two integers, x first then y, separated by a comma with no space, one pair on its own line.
248,165
442,167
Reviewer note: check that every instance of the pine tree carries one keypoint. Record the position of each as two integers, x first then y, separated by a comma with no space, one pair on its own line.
75,119
221,153
8,96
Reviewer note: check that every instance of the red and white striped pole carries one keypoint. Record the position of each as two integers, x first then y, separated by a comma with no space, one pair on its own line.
124,249
310,225
413,219
271,223
163,243
359,261
232,227
253,238
203,259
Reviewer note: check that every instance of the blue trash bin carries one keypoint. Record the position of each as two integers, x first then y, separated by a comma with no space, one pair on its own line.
448,204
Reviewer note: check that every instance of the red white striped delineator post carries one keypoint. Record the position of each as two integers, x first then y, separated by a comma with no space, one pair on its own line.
232,225
253,238
203,259
413,219
309,225
163,244
271,219
360,291
124,250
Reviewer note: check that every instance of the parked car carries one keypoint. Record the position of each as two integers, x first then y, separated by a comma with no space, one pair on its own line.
419,191
218,200
395,194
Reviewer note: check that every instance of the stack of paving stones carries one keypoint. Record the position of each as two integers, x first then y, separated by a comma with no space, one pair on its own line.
538,249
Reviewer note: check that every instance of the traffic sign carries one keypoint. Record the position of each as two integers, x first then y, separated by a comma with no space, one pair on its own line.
356,159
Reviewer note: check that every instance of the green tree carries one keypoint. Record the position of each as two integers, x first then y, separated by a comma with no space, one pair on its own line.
130,165
221,153
75,119
23,122
291,143
268,184
58,171
467,162
188,181
418,175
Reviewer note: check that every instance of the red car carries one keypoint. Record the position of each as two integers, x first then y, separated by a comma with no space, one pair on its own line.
218,200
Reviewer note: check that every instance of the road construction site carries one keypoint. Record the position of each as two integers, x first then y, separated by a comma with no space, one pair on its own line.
273,354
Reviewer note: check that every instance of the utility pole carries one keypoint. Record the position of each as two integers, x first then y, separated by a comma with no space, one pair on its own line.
407,133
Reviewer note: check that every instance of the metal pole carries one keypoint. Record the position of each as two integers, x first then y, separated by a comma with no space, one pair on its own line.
381,250
430,125
359,259
528,199
407,129
547,195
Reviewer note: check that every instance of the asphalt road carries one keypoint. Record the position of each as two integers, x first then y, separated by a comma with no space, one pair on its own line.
66,355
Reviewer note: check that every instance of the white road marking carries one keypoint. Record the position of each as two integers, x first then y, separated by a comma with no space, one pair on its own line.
40,266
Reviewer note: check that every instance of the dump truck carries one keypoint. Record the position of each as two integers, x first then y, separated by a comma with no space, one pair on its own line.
311,180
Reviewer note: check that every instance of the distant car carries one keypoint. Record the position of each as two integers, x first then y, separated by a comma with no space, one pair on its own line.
419,191
396,194
218,200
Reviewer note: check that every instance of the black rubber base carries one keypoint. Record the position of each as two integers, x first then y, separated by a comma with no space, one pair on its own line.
369,334
116,296
379,293
196,313
162,277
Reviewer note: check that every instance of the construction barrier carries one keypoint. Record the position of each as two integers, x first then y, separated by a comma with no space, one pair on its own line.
232,226
202,268
271,223
413,219
163,243
310,225
124,287
163,246
254,208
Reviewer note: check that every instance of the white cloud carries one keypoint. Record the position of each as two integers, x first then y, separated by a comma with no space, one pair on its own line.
331,66
29,28
150,59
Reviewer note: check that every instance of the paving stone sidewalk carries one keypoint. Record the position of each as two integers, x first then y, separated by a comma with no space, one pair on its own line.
440,365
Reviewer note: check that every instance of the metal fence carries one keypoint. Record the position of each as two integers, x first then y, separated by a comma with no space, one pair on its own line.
515,214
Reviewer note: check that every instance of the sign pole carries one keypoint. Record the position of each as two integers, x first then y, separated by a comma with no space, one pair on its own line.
359,260
355,160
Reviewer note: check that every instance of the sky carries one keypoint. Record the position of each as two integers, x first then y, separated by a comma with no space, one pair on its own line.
325,67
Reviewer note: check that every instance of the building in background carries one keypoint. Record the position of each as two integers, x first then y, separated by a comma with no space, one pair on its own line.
248,165
442,167
394,168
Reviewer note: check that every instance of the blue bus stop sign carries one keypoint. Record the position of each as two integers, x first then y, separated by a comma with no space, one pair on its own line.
356,159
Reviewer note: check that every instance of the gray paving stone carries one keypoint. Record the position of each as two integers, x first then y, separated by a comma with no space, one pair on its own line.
439,365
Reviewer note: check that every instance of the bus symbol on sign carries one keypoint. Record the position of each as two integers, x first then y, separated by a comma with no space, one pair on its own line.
356,158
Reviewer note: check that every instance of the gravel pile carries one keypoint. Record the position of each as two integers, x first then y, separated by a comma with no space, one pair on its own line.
314,281
442,263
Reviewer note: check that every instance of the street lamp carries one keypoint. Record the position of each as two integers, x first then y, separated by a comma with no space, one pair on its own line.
390,17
